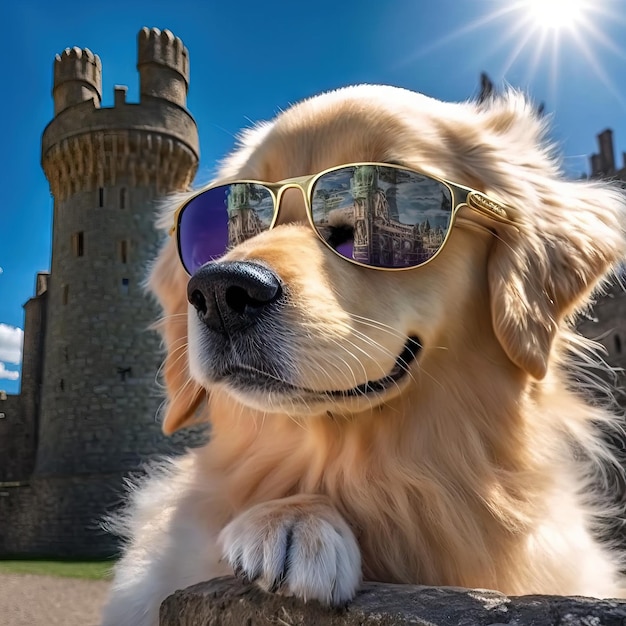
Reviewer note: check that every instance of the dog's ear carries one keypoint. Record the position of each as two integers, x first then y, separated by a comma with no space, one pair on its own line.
185,396
570,236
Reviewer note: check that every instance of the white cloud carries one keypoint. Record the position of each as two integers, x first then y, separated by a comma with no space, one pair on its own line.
11,344
1,271
8,374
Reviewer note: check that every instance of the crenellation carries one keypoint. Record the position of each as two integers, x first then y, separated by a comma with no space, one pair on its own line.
77,79
77,64
162,47
163,64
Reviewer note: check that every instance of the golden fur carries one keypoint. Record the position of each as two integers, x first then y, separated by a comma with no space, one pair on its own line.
464,474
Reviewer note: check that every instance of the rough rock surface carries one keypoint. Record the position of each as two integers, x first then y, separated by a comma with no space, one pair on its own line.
229,602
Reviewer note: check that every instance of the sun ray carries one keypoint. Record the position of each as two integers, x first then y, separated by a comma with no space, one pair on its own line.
518,49
598,69
456,34
554,23
536,58
554,70
603,39
510,33
538,37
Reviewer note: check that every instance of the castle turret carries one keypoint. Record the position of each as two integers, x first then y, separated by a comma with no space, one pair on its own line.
605,141
163,66
603,163
35,313
77,78
107,169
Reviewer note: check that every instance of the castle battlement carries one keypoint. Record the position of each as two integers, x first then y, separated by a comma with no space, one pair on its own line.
152,143
163,64
77,78
77,64
162,47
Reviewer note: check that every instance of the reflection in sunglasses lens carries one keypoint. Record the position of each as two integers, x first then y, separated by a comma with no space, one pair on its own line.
219,219
250,209
203,229
382,216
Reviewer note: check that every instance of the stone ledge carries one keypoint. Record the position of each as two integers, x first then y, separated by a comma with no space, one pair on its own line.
229,602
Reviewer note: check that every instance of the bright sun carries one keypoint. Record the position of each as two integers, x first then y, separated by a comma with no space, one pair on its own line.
546,33
556,14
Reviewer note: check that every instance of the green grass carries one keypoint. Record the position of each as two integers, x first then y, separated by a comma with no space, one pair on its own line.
92,570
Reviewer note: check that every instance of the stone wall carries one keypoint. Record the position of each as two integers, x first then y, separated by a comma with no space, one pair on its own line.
100,398
64,516
32,372
15,497
607,325
14,440
228,602
60,516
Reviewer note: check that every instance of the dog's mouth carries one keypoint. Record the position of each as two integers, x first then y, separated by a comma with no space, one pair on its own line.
245,378
399,371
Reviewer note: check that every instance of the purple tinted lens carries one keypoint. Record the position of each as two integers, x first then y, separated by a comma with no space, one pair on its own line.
382,216
219,219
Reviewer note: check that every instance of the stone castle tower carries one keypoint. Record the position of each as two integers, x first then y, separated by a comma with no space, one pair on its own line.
94,408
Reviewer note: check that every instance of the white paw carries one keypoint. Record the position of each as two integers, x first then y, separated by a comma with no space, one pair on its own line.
305,551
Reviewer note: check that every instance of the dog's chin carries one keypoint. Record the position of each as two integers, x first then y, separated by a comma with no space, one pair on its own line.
260,390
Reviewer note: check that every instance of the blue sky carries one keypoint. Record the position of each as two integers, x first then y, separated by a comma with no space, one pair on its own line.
250,58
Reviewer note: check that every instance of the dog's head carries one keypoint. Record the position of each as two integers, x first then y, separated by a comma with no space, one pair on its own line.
283,324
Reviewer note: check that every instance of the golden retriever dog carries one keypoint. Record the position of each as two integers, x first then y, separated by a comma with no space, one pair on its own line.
406,413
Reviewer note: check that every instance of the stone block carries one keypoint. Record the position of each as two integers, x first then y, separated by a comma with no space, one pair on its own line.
229,602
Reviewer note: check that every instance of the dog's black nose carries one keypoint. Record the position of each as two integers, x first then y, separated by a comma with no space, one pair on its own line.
231,296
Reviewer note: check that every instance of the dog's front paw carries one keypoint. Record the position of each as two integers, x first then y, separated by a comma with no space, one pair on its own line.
298,546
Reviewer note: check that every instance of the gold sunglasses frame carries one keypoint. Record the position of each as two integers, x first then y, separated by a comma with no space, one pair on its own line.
472,199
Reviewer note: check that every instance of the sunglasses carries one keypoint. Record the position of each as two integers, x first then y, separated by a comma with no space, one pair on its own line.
372,214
